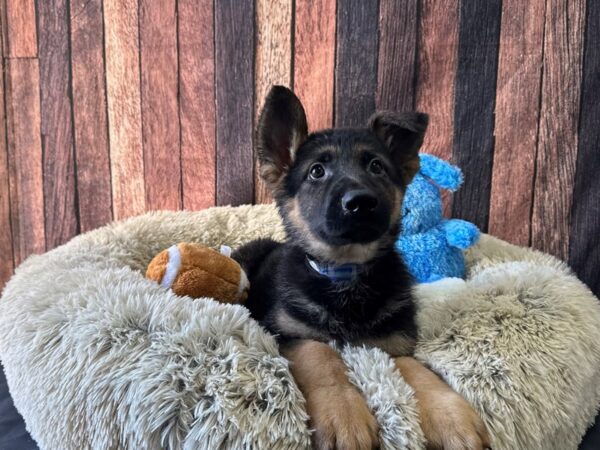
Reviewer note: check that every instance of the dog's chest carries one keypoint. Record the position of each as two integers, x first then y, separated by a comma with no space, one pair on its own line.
339,314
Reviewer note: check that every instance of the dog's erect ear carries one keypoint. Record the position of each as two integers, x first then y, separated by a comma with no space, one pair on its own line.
281,129
402,134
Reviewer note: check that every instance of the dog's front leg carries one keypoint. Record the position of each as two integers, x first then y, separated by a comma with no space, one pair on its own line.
447,420
338,413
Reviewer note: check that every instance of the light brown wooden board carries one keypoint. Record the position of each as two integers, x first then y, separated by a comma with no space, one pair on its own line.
160,110
90,115
197,102
25,157
314,60
272,64
56,123
559,119
516,122
19,29
124,108
438,43
6,238
436,70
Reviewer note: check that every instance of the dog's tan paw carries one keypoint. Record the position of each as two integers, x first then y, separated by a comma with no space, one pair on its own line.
450,423
341,420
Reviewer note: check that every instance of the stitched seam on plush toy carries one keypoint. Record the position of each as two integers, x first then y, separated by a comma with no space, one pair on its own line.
173,267
244,282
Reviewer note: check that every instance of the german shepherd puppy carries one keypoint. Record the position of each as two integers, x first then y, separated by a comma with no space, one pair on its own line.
338,277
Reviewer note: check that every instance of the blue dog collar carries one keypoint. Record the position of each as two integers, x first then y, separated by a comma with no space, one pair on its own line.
336,273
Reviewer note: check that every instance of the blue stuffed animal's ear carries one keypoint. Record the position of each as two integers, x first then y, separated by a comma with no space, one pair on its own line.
441,172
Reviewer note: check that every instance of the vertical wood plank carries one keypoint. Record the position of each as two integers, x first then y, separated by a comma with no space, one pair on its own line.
314,60
517,114
356,65
6,238
89,114
19,38
25,157
124,108
273,61
56,123
160,111
197,102
475,89
398,29
437,59
584,250
234,39
559,118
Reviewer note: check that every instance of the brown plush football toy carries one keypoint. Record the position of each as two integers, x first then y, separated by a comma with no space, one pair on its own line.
199,271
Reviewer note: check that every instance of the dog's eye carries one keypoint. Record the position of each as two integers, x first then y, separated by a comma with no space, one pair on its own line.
376,167
316,171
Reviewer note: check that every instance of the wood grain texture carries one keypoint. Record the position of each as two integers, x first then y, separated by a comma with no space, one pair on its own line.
434,90
25,157
160,110
56,123
475,86
356,62
90,115
559,117
19,38
272,64
124,107
197,103
398,31
517,114
314,60
234,39
584,249
437,59
6,238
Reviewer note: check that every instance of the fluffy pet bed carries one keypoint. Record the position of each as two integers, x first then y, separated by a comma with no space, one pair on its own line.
97,356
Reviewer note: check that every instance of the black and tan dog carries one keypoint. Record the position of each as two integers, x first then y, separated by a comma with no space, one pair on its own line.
338,276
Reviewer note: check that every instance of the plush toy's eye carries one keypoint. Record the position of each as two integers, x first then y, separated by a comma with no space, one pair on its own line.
316,171
376,167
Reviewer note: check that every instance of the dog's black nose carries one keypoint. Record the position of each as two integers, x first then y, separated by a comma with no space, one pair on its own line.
359,201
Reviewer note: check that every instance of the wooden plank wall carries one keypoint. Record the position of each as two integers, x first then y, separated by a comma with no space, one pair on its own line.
112,108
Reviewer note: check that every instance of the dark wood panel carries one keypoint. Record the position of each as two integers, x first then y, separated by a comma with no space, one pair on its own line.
234,41
314,60
398,29
25,157
160,111
19,38
559,118
475,86
56,123
124,107
584,251
517,114
197,103
272,63
6,238
356,62
89,115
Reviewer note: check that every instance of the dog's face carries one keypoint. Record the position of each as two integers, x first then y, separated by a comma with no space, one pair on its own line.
339,191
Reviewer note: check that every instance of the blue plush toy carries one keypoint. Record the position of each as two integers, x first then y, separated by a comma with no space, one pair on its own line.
431,245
